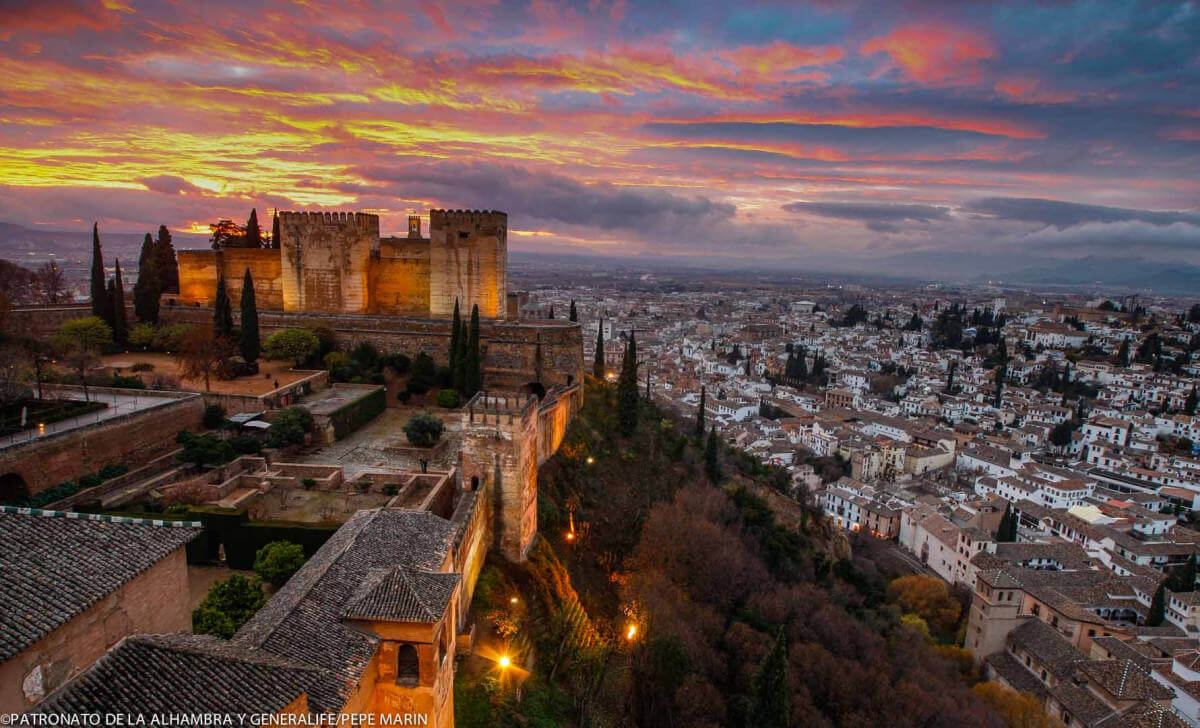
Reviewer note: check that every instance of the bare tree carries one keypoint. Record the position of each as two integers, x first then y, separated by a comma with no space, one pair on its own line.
51,282
201,353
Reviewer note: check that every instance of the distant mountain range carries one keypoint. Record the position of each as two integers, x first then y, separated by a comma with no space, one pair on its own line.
30,247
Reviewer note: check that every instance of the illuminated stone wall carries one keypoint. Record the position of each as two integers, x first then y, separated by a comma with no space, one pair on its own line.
199,269
468,261
325,260
400,278
499,453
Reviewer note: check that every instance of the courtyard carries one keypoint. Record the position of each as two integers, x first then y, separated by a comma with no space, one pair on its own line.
166,365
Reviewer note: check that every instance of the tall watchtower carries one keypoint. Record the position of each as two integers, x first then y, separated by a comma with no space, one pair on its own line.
468,256
499,458
325,260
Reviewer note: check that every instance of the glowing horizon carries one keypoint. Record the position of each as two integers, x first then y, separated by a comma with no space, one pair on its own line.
768,131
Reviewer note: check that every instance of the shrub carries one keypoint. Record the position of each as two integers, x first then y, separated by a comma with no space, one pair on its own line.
245,445
289,426
177,509
404,395
169,338
228,605
112,470
277,561
214,416
121,382
365,354
296,345
449,399
324,336
203,449
423,430
142,366
308,483
335,360
89,481
142,335
398,363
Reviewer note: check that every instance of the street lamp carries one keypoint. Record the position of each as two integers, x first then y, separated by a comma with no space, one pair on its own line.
504,662
631,632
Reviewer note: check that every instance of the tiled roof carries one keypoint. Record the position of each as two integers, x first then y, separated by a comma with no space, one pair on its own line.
169,674
56,565
1124,680
404,595
304,621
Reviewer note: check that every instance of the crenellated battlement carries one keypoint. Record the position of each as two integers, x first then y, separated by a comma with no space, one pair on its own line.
360,220
444,218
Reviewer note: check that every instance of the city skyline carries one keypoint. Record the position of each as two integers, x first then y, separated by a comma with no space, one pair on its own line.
831,134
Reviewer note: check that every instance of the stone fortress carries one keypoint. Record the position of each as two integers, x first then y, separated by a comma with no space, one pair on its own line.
337,263
334,269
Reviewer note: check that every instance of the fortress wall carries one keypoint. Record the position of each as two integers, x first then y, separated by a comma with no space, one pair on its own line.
325,260
400,286
43,321
265,267
510,350
468,258
198,271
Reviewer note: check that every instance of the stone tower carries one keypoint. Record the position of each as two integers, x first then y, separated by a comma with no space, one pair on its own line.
325,259
468,256
499,458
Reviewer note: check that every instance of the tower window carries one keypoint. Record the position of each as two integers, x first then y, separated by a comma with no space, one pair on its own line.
408,666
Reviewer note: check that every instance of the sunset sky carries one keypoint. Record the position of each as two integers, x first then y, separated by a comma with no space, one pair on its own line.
820,133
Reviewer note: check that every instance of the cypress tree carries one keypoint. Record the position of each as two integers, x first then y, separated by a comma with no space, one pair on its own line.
168,268
1182,578
573,315
700,413
99,292
147,288
120,325
1157,608
598,364
473,376
275,230
550,314
455,346
248,339
627,389
712,465
253,237
1006,532
772,696
1190,405
222,312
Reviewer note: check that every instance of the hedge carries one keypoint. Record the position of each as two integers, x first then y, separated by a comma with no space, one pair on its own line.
241,536
358,413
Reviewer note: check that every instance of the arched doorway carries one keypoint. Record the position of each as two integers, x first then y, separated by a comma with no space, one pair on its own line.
12,488
535,388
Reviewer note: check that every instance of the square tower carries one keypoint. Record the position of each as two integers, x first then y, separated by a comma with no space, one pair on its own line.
325,260
499,458
468,256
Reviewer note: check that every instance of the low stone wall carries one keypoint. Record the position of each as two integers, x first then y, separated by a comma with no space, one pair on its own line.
514,354
130,438
285,396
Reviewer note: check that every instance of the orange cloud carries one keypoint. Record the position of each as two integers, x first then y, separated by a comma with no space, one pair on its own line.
1029,90
934,54
779,60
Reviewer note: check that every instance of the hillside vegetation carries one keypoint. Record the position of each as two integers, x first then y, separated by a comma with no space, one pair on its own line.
741,617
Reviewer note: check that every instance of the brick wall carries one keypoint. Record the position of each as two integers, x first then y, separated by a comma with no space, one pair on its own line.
154,602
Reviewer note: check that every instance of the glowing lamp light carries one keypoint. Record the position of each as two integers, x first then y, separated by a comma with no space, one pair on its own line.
631,633
570,535
513,600
504,662
41,428
591,460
